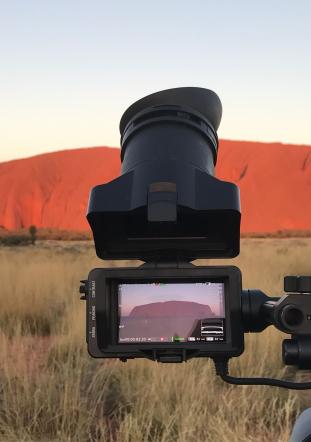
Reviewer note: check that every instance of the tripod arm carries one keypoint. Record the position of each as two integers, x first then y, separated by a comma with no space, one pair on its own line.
257,310
290,313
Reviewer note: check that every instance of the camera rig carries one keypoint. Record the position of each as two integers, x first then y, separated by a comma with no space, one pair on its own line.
167,209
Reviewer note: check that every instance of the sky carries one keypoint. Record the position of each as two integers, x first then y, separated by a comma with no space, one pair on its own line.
69,69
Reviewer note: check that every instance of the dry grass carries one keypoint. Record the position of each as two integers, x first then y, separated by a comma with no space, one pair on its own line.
50,390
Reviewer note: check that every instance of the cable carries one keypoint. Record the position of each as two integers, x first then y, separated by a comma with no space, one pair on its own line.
266,381
221,367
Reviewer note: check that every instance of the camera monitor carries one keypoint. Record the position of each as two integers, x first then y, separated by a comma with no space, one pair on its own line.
167,314
171,312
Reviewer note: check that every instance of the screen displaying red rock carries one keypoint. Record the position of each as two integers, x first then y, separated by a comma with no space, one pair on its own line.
171,312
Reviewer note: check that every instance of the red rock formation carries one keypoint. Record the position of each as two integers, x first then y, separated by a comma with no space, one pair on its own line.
172,309
274,181
51,190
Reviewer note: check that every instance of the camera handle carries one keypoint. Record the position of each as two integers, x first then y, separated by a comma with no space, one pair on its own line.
291,314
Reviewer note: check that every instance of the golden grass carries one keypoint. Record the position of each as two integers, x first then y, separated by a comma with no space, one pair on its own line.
51,390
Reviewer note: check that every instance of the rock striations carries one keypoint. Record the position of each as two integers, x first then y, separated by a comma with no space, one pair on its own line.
51,190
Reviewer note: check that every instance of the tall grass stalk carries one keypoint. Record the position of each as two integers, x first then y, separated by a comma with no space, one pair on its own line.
51,390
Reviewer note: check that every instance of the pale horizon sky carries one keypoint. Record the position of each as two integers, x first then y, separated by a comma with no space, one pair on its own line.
70,69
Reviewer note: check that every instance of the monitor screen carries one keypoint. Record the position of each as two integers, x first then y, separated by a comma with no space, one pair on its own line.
171,312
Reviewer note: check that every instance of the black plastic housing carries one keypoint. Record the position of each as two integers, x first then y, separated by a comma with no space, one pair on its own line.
167,205
102,313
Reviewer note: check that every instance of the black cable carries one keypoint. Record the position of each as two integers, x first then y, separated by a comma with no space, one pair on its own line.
266,381
221,367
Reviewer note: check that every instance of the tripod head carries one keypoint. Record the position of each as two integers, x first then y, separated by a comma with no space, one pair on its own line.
289,314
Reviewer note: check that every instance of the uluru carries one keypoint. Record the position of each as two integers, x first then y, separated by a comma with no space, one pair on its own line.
166,319
51,190
171,309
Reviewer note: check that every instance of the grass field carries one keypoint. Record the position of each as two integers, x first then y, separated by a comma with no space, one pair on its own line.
51,390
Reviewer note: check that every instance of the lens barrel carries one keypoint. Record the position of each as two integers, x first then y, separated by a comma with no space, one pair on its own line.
177,124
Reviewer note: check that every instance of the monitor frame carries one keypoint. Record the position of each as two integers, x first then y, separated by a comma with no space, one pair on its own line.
103,313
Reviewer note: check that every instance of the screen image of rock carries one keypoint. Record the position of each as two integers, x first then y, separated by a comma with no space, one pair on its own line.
171,312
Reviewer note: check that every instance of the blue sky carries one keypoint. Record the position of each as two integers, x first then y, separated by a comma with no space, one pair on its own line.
70,68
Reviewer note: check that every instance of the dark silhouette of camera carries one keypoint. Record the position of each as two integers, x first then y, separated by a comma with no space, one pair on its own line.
167,209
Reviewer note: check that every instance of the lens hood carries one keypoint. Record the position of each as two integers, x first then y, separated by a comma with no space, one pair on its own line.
167,204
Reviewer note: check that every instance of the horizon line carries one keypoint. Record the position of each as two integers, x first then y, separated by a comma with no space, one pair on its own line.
118,147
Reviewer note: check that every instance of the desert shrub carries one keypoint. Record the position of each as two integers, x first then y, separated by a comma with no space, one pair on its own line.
15,240
33,234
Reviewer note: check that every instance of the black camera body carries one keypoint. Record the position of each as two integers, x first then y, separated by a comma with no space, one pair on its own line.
167,204
167,209
175,326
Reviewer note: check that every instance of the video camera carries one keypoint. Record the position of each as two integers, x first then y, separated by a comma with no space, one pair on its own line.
167,209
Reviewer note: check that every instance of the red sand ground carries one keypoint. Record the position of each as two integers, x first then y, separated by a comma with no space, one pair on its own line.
51,190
